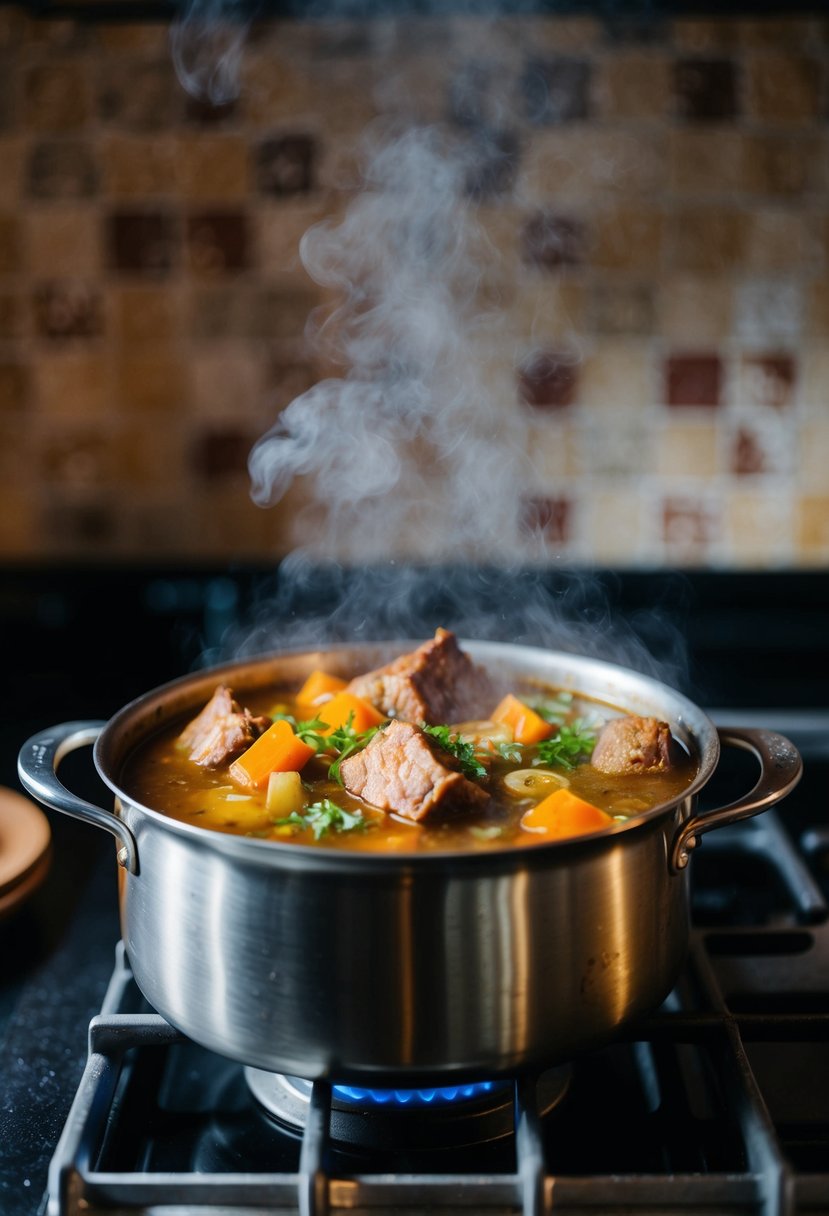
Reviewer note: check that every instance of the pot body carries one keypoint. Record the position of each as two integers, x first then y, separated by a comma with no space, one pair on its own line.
322,970
404,968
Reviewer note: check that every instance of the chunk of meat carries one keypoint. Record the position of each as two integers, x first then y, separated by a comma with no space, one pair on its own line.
436,683
222,730
402,771
634,745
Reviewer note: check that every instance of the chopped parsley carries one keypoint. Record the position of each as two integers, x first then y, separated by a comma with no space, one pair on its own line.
324,817
573,742
342,742
463,752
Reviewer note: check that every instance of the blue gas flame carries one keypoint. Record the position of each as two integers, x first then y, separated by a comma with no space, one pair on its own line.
443,1095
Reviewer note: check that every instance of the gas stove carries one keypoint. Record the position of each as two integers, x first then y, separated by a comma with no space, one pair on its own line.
718,1102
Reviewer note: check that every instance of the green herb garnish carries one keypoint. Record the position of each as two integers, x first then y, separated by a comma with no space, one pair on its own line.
342,742
323,817
574,742
463,752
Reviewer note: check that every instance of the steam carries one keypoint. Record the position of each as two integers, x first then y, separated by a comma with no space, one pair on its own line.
207,41
412,441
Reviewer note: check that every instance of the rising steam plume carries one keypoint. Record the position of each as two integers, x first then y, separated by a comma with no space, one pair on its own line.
404,470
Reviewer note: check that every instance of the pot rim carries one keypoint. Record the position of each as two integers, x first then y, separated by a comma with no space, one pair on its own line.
688,722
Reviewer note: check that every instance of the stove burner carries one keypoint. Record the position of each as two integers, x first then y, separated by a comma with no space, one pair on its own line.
451,1116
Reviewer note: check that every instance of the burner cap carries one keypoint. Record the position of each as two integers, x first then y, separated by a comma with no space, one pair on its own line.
444,1117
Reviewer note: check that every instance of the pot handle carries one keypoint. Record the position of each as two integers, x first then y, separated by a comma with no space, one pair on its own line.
781,767
37,767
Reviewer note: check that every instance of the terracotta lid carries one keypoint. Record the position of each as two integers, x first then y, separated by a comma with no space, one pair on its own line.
25,837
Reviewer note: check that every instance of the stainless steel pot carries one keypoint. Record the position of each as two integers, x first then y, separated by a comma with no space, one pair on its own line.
404,968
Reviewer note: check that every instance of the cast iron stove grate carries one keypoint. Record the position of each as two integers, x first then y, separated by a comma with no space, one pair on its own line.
718,1103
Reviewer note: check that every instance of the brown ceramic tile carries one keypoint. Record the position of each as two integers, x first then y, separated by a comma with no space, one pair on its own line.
748,455
137,166
549,518
767,380
61,170
783,166
9,244
633,84
204,113
472,91
269,97
812,528
11,319
556,89
214,167
689,526
75,457
693,380
783,88
616,309
152,381
220,452
706,160
705,89
55,96
79,529
705,239
579,165
147,314
629,238
817,309
286,165
228,382
780,241
139,95
548,380
123,37
68,308
62,240
813,455
217,241
13,150
14,386
72,382
286,380
494,164
695,311
143,242
552,241
143,462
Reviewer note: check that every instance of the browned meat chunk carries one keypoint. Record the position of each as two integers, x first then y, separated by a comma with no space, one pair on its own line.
222,730
401,771
436,683
634,745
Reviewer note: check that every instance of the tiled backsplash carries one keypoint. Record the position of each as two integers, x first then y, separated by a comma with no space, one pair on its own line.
657,204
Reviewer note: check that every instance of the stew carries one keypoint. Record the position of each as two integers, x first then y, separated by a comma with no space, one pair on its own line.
424,753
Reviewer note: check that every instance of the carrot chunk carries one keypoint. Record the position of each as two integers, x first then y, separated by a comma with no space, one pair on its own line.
342,706
278,750
527,725
563,814
319,686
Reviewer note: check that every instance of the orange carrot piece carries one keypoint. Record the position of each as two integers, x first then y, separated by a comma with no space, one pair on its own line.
527,725
563,814
278,750
336,712
319,686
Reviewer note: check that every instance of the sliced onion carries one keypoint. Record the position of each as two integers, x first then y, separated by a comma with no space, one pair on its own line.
483,731
534,782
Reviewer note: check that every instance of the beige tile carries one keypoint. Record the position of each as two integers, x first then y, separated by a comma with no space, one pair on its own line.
73,384
782,88
616,527
551,453
780,242
817,310
814,377
147,458
695,311
62,240
275,91
135,166
213,167
154,380
563,166
279,229
617,375
812,528
633,84
758,527
813,456
785,166
628,238
687,449
547,312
